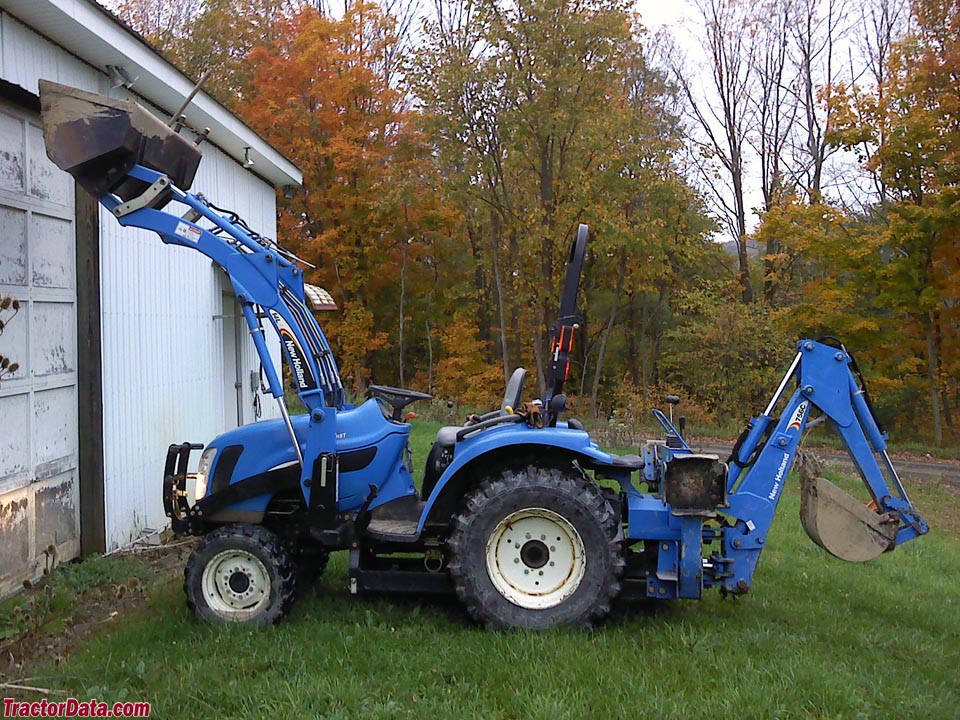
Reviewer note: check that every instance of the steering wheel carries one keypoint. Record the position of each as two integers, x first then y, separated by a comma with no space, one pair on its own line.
397,398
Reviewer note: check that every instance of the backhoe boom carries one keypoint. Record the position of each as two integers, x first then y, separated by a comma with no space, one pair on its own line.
828,381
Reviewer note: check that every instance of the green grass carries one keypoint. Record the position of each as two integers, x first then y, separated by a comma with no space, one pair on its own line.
48,603
815,638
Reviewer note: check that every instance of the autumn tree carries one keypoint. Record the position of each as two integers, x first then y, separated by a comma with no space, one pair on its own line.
544,113
464,375
726,355
816,31
883,23
912,123
210,37
776,112
635,277
758,105
366,215
160,21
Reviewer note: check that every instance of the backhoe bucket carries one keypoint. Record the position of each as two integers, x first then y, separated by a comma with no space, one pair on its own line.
98,140
841,524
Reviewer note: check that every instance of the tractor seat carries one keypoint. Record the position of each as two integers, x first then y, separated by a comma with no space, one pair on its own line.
512,397
447,435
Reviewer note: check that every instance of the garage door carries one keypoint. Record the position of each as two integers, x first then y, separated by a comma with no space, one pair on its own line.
38,404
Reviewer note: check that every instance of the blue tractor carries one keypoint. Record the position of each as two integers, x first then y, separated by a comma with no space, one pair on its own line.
511,515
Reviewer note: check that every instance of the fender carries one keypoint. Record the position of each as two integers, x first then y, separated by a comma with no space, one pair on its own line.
474,449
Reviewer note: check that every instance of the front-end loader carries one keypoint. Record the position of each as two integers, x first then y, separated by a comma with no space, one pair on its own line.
511,515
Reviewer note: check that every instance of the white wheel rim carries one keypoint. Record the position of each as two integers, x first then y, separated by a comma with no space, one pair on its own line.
535,558
236,585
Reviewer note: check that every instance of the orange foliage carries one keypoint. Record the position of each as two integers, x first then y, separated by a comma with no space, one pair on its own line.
323,96
464,375
897,279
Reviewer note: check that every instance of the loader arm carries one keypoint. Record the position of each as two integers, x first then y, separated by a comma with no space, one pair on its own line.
266,284
135,166
827,380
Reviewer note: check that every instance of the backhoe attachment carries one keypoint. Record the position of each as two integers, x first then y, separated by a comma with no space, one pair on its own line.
828,381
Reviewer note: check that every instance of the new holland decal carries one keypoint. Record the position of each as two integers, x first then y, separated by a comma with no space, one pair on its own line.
298,361
778,480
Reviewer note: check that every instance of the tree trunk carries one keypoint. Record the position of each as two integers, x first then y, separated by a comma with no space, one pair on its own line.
547,298
606,334
429,358
516,336
480,279
496,228
538,357
403,293
656,343
934,383
583,375
644,375
770,280
632,348
944,397
740,203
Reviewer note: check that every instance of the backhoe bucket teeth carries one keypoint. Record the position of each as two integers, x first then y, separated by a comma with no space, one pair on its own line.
98,140
841,524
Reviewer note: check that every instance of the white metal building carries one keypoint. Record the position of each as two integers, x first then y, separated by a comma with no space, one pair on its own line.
125,344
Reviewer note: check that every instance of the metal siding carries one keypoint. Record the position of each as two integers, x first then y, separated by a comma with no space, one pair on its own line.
38,403
162,354
25,57
157,380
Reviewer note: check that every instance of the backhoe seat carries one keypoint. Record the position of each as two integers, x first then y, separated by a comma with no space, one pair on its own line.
512,398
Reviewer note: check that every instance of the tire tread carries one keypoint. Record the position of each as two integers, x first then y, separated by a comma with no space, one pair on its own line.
569,484
249,536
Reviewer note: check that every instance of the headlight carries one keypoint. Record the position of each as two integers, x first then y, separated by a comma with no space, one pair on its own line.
203,472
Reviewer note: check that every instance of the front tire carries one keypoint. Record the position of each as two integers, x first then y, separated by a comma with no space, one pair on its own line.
536,548
240,574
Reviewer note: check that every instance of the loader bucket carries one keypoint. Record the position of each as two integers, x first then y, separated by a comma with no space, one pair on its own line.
98,140
841,524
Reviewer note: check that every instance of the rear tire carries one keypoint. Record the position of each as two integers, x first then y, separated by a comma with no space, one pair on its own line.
536,548
240,574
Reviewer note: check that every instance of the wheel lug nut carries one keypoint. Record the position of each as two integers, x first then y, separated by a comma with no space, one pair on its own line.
528,536
543,537
552,549
526,572
552,563
516,560
541,572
